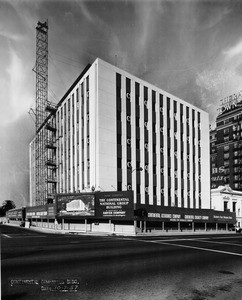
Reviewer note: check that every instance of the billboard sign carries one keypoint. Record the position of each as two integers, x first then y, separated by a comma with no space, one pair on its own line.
75,205
179,217
194,215
115,204
15,213
42,211
222,217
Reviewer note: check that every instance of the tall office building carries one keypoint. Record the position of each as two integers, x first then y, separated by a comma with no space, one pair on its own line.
226,144
115,131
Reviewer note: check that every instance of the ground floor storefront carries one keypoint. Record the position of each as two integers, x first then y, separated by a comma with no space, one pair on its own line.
116,213
149,226
118,227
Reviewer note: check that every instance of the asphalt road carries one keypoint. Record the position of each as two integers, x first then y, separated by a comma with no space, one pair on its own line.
47,266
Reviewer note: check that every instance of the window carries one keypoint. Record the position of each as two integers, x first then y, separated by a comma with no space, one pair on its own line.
187,112
87,83
153,100
226,163
236,145
154,190
77,95
226,131
119,139
119,163
69,104
82,90
236,170
175,106
226,155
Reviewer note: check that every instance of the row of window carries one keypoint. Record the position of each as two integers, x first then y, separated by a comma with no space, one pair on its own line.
236,118
192,139
234,128
74,138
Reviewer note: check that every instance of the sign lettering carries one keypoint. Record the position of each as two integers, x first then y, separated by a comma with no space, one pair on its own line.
230,102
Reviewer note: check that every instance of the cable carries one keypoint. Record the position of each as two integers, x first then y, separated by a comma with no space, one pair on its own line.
57,71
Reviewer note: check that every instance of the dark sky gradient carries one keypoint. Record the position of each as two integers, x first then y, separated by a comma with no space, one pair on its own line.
192,49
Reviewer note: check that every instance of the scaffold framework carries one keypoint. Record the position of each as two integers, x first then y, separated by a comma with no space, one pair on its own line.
45,147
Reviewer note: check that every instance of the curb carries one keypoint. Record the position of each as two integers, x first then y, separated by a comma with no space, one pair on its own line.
158,233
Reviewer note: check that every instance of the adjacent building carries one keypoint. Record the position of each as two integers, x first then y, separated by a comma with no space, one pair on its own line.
226,144
225,199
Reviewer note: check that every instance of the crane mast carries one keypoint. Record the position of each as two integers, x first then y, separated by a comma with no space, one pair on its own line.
45,139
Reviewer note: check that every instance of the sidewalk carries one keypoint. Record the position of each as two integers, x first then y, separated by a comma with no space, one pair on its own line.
152,233
58,231
199,232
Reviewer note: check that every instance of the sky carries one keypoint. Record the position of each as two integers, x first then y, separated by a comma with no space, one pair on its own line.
189,48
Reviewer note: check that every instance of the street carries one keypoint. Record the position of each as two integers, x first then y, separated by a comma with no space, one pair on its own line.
54,266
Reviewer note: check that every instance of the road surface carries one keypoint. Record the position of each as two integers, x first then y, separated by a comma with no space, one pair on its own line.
55,266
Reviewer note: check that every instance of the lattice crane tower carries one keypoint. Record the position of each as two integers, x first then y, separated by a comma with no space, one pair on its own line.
41,70
45,148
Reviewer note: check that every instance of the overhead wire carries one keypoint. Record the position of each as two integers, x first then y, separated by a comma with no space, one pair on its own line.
64,62
58,73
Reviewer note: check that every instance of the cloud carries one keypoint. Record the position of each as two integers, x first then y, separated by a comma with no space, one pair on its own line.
14,167
86,12
103,33
11,36
214,14
17,38
234,50
15,21
15,93
147,19
238,69
215,85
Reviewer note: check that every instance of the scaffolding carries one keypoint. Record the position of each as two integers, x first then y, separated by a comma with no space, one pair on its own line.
45,123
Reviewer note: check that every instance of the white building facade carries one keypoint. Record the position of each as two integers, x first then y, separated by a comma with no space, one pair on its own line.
223,198
111,124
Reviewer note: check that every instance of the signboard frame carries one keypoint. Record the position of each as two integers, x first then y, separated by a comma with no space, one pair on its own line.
47,211
176,214
115,205
75,205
